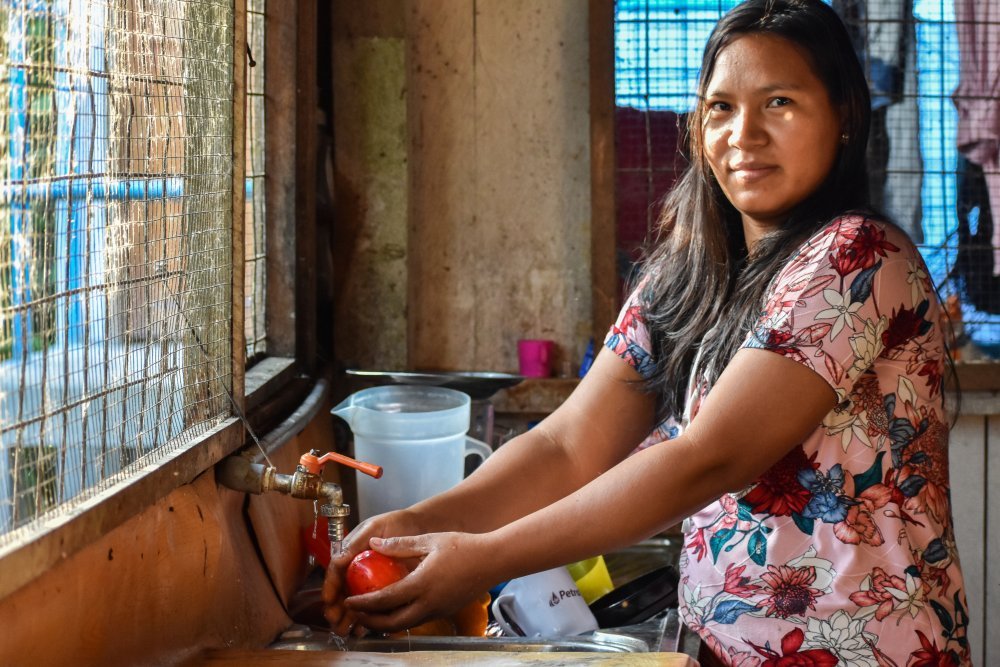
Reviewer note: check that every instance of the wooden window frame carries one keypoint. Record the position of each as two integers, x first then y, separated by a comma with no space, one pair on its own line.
282,391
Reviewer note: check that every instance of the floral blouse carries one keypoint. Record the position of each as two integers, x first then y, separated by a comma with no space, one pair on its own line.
843,553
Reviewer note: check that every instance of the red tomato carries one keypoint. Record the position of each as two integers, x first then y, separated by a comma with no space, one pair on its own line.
371,571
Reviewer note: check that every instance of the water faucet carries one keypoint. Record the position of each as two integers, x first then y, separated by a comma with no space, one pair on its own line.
239,474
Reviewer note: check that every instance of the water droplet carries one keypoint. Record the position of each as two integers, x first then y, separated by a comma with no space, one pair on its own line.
337,642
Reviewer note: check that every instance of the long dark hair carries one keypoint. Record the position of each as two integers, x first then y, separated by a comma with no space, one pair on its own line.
701,287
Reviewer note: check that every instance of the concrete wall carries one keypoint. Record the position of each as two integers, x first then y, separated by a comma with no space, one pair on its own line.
463,182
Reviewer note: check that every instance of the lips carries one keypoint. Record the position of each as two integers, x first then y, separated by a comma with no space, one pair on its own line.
751,171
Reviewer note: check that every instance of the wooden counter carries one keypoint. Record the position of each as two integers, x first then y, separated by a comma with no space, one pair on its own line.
267,658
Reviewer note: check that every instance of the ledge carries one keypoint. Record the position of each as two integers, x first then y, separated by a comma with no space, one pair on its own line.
979,380
978,375
534,396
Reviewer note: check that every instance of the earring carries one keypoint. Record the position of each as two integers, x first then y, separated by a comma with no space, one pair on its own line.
844,138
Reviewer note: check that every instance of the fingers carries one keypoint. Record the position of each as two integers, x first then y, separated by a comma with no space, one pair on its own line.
382,601
400,547
359,539
398,619
334,614
333,584
342,621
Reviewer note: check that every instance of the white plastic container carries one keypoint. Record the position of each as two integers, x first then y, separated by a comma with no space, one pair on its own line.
417,434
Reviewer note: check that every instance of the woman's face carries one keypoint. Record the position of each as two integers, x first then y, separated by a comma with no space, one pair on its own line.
771,132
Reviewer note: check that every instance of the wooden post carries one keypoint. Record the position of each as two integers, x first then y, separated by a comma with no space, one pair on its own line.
603,224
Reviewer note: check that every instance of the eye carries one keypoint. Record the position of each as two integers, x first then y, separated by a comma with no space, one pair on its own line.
715,106
779,102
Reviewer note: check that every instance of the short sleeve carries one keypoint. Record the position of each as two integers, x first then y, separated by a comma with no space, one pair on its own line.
856,291
629,336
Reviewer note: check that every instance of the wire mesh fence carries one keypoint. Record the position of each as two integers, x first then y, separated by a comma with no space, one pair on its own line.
255,274
934,163
115,241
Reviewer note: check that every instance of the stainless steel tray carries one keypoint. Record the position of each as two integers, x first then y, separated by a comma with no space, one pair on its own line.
597,642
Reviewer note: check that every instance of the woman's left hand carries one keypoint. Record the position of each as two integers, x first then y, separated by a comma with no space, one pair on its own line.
453,568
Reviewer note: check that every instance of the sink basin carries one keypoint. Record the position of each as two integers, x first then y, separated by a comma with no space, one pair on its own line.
597,642
659,633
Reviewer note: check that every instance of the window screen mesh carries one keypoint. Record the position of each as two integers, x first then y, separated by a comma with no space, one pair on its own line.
255,282
927,61
115,249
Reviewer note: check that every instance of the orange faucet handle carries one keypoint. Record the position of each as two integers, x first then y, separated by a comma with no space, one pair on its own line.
314,464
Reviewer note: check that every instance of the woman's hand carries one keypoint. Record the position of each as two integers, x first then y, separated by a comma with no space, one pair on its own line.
452,569
341,619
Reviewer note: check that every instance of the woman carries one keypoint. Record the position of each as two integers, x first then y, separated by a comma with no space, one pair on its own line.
783,347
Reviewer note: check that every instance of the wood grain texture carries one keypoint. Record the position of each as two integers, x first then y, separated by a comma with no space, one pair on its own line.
991,638
603,221
533,211
443,234
180,577
276,521
499,242
282,116
463,180
370,180
967,462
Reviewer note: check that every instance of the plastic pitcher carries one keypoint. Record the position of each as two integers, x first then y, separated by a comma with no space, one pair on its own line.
417,434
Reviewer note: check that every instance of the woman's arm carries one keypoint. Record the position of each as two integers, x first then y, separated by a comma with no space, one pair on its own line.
604,419
761,407
596,427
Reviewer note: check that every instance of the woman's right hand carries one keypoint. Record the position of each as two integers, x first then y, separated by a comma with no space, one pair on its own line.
400,523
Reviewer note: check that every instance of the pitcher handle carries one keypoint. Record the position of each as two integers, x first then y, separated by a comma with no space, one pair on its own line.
473,446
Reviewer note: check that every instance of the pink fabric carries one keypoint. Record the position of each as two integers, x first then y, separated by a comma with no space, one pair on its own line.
843,552
978,26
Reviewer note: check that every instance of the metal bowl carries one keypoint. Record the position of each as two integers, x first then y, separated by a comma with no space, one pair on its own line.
477,384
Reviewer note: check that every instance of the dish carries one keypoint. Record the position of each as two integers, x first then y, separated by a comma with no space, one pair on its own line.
477,384
638,600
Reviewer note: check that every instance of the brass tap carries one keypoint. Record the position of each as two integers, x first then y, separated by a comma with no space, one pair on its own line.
306,482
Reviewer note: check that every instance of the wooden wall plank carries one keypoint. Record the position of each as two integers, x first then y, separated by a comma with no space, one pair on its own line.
442,257
991,655
499,242
280,116
532,267
967,462
275,516
307,254
370,166
603,220
468,225
181,576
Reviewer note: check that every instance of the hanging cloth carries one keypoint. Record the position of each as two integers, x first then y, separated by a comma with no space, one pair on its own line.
976,98
883,34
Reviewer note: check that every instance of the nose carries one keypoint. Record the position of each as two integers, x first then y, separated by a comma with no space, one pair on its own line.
747,130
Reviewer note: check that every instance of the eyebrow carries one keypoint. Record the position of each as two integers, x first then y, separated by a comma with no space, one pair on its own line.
765,90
